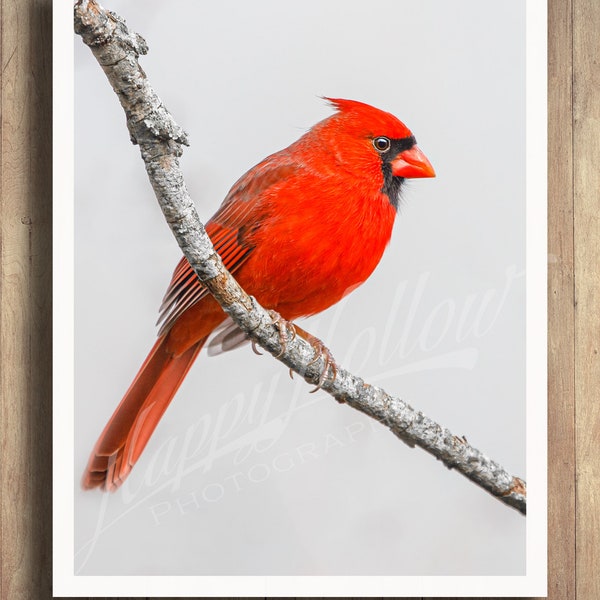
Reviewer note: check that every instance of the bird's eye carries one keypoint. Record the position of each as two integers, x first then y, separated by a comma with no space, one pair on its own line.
381,144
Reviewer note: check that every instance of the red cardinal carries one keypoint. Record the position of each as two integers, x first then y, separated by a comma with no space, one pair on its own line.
299,231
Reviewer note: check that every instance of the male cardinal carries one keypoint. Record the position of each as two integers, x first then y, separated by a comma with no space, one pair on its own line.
299,231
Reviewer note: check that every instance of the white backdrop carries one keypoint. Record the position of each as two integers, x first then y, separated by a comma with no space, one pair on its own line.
247,472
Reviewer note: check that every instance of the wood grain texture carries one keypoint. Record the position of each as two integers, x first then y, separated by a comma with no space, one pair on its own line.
586,185
25,329
25,298
561,311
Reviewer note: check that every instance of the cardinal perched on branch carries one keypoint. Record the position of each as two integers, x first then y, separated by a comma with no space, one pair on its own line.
299,231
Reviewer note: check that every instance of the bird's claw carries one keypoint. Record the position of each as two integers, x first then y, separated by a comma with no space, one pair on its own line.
330,364
289,331
283,327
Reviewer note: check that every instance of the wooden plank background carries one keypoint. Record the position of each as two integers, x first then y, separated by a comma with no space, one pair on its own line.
573,293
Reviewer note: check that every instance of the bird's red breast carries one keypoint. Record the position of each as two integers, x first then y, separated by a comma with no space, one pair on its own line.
308,224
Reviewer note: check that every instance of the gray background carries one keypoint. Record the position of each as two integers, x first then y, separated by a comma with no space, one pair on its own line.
248,473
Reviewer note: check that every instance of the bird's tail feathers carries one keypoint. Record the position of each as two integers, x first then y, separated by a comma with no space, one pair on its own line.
133,422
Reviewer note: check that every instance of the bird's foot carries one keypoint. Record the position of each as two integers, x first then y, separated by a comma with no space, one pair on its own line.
321,350
284,328
288,331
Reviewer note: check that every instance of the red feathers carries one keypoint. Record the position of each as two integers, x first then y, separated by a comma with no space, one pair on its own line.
299,231
359,118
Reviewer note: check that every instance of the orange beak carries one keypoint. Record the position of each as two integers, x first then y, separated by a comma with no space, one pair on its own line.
411,164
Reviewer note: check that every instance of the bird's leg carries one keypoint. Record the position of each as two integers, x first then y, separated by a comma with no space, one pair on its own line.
284,327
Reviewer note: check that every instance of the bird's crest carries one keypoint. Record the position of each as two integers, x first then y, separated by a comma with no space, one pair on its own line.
367,117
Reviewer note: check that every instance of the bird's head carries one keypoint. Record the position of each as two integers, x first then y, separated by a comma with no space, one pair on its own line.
375,143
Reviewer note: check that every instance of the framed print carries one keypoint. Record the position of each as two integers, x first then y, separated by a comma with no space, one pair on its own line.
250,484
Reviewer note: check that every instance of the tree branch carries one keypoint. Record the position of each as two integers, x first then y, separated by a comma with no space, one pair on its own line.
160,140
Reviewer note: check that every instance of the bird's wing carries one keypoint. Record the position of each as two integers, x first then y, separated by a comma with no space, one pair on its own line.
230,230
